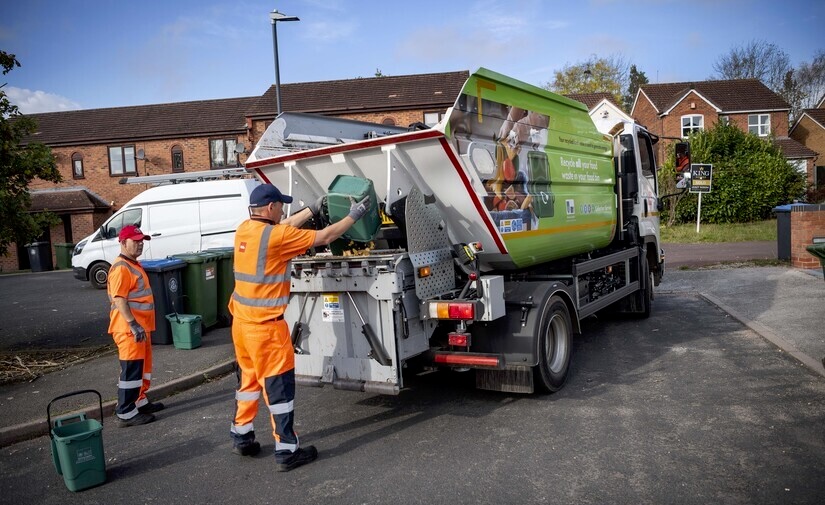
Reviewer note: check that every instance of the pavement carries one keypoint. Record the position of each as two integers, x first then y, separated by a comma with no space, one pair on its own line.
782,304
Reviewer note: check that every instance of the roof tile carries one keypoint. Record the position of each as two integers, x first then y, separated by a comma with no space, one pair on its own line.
730,95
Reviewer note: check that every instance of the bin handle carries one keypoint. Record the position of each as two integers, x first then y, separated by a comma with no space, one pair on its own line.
73,393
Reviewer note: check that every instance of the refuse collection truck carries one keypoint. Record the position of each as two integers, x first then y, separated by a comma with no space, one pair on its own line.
500,229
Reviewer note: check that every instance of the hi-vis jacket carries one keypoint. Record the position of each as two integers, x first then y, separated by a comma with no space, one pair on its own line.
262,255
128,280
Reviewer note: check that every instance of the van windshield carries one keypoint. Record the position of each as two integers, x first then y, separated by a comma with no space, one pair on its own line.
114,225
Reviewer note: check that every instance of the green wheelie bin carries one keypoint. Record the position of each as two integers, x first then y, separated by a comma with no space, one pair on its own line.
63,254
200,285
226,282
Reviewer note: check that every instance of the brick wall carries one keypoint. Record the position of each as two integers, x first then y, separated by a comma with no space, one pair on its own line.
158,161
812,135
807,223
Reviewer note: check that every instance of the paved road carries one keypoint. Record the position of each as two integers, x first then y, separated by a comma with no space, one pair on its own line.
688,406
51,310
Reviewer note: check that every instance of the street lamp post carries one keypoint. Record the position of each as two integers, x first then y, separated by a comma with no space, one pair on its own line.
276,16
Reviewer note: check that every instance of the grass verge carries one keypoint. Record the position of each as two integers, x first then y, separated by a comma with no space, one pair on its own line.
742,232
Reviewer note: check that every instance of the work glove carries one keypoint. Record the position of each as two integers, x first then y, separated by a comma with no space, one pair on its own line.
315,207
137,331
358,209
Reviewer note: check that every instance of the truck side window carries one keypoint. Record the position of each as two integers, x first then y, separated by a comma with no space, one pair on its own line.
628,155
646,155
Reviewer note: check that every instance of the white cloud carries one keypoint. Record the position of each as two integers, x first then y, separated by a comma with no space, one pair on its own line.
323,31
33,102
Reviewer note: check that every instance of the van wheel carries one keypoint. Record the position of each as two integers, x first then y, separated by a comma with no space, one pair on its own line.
99,274
555,346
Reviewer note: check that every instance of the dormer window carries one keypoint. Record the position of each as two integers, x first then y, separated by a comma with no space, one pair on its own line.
692,123
759,124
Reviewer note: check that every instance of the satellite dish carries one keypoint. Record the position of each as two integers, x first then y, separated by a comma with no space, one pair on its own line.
140,155
239,148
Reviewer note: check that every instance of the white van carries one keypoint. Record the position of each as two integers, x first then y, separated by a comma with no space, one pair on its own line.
180,218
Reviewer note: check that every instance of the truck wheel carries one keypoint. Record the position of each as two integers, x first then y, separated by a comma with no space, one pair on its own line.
555,346
99,274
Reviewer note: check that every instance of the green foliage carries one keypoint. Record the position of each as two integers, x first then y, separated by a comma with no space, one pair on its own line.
19,165
596,75
750,178
637,79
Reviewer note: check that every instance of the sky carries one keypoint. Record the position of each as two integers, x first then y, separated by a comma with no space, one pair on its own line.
88,54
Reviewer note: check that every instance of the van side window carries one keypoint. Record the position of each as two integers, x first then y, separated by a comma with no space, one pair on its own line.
131,216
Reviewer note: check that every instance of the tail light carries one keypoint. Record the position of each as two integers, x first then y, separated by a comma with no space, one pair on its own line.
452,310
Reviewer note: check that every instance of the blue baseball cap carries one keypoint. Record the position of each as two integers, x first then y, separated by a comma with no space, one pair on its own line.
265,194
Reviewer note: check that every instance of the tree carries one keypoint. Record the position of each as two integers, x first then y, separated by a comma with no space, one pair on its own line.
811,80
596,75
756,60
20,164
636,80
750,177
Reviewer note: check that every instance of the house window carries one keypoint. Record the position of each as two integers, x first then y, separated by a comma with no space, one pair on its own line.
725,120
388,121
177,159
122,160
691,124
222,153
759,124
431,118
77,166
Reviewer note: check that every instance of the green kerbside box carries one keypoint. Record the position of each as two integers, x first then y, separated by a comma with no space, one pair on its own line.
77,446
343,190
186,330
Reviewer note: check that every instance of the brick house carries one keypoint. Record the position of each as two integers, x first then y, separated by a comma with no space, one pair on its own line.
675,109
809,130
96,148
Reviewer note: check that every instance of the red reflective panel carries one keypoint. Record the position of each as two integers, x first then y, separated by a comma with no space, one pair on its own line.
457,339
461,311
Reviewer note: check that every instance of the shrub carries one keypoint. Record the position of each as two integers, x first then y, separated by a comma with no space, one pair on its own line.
750,178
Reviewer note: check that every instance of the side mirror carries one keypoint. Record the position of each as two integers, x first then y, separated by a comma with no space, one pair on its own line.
682,162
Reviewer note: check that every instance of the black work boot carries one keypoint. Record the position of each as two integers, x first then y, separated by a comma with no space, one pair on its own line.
300,457
137,420
246,448
151,408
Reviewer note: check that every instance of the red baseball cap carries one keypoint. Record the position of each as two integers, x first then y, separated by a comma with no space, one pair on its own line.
132,232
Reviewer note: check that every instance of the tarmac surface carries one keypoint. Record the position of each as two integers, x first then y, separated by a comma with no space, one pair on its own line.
782,304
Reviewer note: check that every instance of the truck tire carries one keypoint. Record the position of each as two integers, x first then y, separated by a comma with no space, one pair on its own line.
99,274
554,341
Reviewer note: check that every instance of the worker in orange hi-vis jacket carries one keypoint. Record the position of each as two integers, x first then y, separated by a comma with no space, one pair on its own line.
264,246
131,321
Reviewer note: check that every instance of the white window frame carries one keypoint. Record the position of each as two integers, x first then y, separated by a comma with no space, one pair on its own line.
439,115
759,124
696,123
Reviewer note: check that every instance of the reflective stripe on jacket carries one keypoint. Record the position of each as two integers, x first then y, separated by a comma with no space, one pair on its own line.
262,255
128,280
